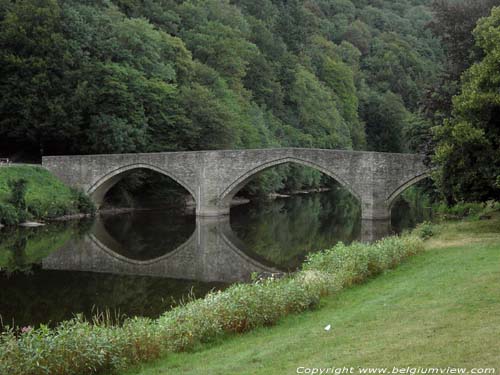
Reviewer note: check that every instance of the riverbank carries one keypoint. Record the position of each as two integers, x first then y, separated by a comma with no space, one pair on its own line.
39,196
81,347
438,309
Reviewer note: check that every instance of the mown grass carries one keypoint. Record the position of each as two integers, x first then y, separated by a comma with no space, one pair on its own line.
46,196
440,308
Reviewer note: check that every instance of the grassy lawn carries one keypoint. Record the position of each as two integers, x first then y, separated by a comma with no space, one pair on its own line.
438,309
42,185
46,196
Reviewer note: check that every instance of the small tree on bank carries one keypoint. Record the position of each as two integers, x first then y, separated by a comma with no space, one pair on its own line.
18,193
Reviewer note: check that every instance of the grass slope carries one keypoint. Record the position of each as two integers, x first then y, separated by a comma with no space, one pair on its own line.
438,309
46,196
42,185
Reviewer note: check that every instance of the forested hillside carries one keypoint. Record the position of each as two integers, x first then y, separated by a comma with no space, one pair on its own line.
159,75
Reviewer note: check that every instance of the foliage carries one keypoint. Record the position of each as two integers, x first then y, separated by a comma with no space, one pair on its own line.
164,75
8,214
471,210
83,203
468,144
18,193
386,116
425,230
453,23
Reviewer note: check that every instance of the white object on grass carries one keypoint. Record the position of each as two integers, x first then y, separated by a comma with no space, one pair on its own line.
328,327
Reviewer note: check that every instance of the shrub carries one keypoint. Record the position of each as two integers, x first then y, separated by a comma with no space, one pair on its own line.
470,210
78,347
83,202
354,263
8,214
425,230
460,210
18,192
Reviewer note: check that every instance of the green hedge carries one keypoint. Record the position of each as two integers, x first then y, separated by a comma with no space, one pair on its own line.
79,347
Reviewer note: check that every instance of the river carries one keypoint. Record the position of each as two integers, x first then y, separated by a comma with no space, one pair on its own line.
144,262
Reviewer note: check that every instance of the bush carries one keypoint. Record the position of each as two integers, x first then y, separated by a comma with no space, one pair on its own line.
353,264
459,210
470,210
78,347
83,203
425,230
8,214
18,193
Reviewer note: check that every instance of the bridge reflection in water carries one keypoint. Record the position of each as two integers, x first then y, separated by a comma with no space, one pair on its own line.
213,253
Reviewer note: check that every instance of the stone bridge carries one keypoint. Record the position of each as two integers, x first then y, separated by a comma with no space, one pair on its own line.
214,177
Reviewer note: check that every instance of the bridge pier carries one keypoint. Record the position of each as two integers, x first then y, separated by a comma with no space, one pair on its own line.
373,230
374,209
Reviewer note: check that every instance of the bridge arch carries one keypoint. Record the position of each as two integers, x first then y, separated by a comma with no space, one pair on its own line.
98,189
398,191
227,195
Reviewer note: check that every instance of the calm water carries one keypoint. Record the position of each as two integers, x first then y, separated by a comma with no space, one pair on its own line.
144,262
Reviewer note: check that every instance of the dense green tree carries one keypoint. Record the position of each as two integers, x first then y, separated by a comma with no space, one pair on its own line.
359,35
295,24
224,49
453,23
385,124
31,70
87,80
316,112
468,149
394,65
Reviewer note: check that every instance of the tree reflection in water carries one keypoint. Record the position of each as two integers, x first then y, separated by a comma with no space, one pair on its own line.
283,231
